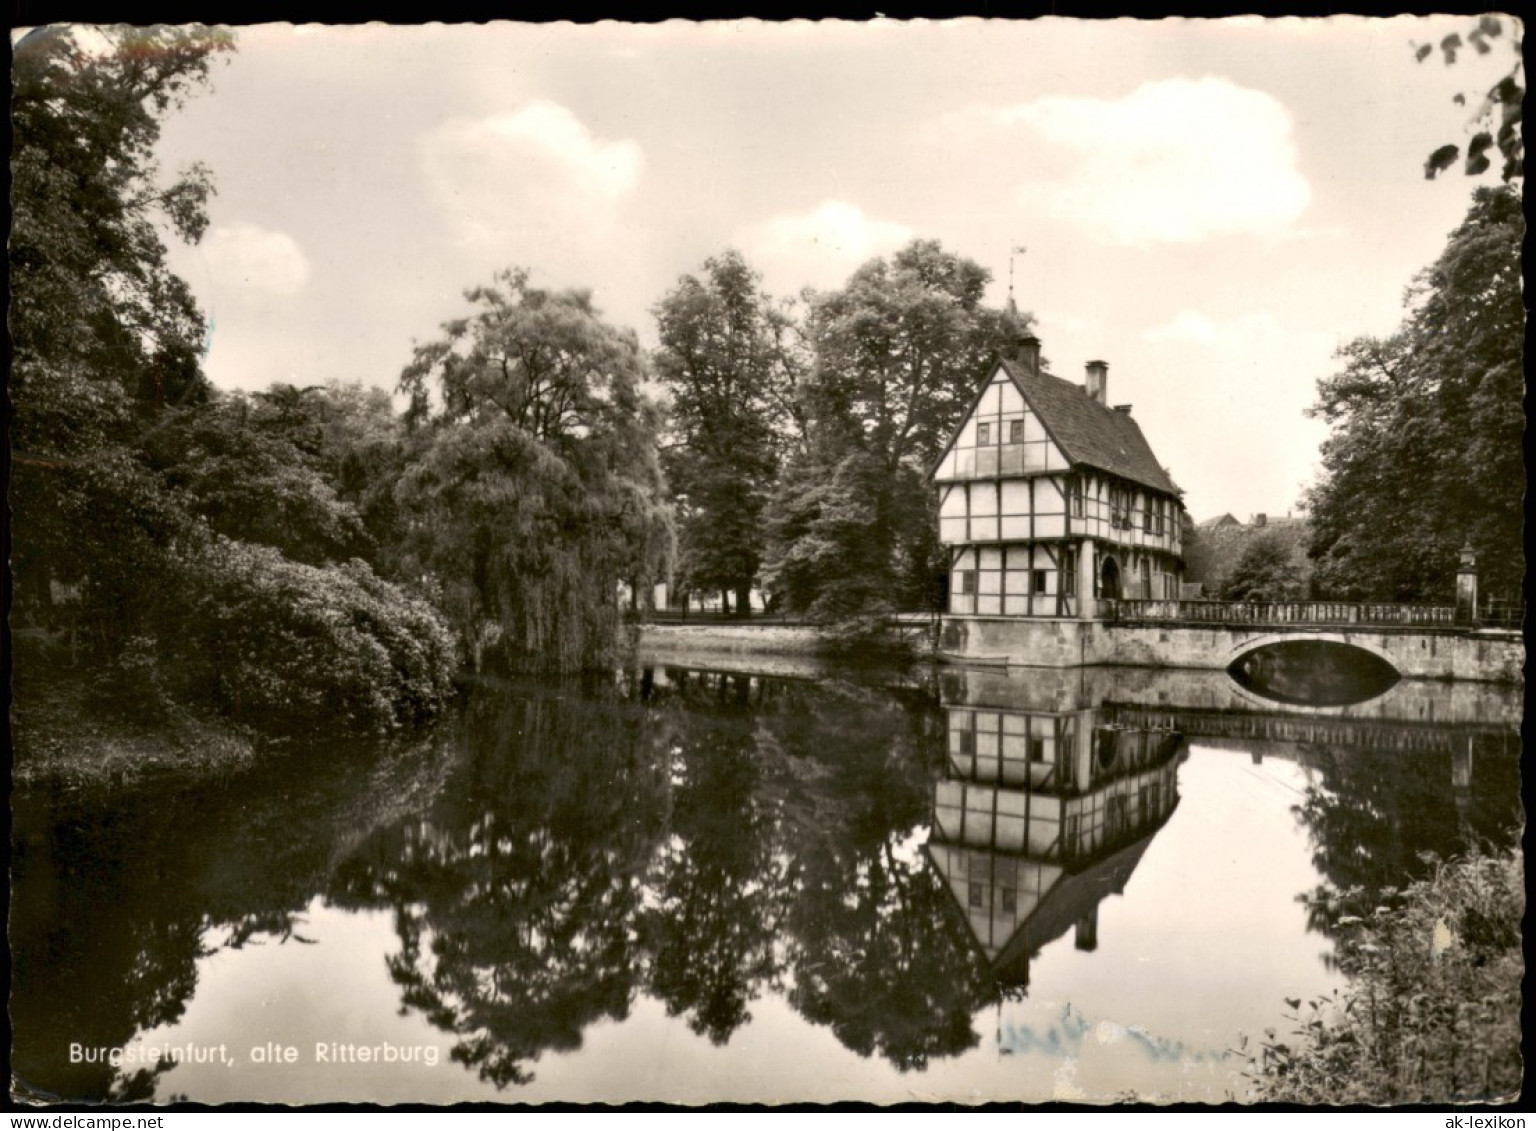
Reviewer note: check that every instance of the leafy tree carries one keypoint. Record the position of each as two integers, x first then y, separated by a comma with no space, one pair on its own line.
104,337
722,360
359,445
533,484
1425,453
1500,111
252,471
1265,571
897,353
137,483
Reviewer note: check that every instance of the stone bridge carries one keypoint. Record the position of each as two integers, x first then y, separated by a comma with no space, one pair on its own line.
1419,642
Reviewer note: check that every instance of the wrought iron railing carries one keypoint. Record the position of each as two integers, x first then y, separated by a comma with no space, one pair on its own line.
1500,613
1278,612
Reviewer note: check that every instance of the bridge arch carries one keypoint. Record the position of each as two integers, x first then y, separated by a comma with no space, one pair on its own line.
1312,669
1240,649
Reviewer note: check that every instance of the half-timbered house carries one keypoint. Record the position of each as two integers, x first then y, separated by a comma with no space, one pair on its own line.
1050,498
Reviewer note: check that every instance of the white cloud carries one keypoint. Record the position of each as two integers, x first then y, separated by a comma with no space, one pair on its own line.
1174,161
247,257
821,247
1246,332
535,177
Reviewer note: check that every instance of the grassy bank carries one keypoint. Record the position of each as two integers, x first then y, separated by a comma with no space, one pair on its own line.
66,733
1431,1012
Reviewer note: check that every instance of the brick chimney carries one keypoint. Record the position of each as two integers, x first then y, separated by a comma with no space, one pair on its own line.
1027,353
1097,385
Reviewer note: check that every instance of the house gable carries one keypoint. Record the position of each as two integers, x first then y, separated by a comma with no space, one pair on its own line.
1003,434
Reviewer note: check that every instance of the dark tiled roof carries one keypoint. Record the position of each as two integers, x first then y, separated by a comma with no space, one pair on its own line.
1089,432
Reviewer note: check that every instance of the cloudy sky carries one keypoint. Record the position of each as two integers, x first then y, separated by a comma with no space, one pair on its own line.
1212,207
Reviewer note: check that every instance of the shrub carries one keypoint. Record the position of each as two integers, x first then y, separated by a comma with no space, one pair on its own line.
1431,1013
281,645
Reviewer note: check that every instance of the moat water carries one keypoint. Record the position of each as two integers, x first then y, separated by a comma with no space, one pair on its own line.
694,883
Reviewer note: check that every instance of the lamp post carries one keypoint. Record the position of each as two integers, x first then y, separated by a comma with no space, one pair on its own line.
1466,587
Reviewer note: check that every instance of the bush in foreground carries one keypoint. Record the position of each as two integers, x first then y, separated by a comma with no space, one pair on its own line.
281,646
1431,1013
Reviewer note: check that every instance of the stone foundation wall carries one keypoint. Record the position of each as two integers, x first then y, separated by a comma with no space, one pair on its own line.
1416,653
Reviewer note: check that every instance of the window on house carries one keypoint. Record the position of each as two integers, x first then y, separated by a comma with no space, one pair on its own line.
1069,573
1015,431
1010,901
967,581
1119,515
1038,581
1146,518
1036,748
978,897
1075,493
983,435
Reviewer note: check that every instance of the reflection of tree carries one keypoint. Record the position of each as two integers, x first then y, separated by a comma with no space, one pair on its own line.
875,953
812,822
95,958
878,958
1373,813
516,895
703,839
720,886
113,907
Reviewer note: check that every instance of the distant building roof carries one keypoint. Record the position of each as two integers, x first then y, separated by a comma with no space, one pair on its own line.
1088,432
1213,548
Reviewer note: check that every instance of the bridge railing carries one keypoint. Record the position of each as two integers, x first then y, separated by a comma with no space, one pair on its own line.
1502,613
1278,612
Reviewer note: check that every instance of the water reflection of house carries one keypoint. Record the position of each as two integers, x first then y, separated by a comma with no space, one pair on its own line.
1041,816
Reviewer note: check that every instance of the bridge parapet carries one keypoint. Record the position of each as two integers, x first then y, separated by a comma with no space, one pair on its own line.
1278,613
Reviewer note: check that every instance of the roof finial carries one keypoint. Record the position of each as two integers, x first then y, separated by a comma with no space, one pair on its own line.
1016,249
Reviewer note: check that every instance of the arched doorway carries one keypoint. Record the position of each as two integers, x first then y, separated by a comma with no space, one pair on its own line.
1109,579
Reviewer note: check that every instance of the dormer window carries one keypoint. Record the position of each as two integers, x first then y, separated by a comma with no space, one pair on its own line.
983,435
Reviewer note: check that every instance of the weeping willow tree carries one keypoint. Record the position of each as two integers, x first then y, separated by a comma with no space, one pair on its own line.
533,486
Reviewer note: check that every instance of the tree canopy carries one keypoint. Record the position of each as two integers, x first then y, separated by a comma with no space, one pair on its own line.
170,520
897,354
533,485
724,363
1498,112
104,337
99,324
1425,453
1265,571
